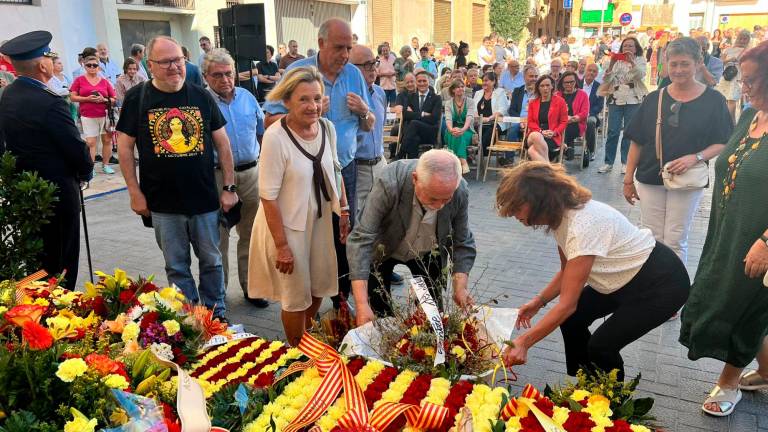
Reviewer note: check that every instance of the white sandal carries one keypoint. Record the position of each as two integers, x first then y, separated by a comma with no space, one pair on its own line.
726,400
752,381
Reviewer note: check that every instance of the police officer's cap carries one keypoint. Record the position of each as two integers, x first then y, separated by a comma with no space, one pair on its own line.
29,46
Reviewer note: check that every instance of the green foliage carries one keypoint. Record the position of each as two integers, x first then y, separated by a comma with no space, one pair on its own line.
26,203
509,17
225,411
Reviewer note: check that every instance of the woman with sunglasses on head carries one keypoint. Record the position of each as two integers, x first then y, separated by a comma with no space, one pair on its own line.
726,317
95,94
695,124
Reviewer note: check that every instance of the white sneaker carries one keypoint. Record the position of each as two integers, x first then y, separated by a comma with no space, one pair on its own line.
623,168
605,169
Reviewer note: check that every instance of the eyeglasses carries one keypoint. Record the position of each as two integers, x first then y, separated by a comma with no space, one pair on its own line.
166,64
569,82
91,65
746,83
368,66
220,75
674,119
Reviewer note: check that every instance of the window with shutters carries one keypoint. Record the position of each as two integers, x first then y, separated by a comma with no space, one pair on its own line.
443,30
381,22
478,25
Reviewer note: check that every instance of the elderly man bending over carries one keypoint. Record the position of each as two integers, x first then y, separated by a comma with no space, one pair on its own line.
416,207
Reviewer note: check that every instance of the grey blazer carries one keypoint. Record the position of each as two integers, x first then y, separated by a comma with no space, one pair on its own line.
387,212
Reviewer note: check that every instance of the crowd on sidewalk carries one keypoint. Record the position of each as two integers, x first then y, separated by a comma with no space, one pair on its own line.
300,170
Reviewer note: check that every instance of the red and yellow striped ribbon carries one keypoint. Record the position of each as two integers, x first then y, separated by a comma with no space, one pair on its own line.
22,284
335,377
512,407
428,416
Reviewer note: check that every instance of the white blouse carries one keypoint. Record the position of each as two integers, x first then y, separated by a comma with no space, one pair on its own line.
285,174
620,248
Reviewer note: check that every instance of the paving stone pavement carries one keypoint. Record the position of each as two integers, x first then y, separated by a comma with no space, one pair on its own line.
512,260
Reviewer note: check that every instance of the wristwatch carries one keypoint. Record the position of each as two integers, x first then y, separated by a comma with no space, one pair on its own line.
764,238
700,157
230,188
365,116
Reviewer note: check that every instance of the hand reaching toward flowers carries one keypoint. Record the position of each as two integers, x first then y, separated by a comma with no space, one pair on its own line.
527,312
515,355
460,293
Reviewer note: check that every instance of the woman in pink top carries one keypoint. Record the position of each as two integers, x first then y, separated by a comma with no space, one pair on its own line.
95,94
387,73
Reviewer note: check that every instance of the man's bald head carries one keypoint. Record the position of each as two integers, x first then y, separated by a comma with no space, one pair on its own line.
436,178
333,27
360,54
362,57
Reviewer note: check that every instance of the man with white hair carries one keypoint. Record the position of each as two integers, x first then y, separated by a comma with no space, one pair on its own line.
417,214
245,126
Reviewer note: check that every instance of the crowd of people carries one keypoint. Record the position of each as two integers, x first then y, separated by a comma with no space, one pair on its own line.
300,170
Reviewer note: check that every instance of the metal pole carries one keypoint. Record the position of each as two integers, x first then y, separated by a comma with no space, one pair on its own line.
87,240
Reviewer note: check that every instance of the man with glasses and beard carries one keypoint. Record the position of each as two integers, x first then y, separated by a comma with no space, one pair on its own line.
176,126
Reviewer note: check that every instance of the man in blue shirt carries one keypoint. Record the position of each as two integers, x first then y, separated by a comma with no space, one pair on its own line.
511,78
518,106
370,145
347,100
245,126
194,75
111,69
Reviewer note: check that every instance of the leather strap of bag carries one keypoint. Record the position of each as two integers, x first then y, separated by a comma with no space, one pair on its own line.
659,148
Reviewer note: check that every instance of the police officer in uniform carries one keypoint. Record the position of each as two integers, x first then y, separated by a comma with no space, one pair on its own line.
38,130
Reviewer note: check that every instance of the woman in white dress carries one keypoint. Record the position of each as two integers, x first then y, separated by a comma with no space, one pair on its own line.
292,256
730,56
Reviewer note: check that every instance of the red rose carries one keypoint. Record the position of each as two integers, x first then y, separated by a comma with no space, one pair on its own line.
265,379
546,406
619,426
126,297
99,307
418,354
37,336
530,424
579,422
22,314
148,319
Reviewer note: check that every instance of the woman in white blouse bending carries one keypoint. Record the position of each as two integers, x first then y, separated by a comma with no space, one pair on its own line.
292,256
608,266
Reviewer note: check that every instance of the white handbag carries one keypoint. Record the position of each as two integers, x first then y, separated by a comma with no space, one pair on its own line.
695,177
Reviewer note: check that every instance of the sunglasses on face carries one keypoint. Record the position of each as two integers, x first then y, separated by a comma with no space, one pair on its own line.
91,65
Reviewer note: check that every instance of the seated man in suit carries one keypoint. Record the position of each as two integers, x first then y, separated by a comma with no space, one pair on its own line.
595,106
417,214
421,117
519,104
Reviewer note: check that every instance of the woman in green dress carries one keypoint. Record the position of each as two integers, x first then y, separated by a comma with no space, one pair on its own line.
460,115
726,316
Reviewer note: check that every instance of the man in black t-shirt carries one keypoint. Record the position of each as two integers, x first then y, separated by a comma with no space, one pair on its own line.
175,126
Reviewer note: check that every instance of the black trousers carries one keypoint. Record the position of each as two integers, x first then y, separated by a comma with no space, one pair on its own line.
61,245
380,281
590,135
658,291
345,285
416,132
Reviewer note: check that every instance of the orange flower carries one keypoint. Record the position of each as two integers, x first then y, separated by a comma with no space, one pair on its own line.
23,314
102,364
204,321
131,347
37,336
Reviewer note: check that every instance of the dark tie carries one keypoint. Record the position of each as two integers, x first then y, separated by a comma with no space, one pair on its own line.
421,101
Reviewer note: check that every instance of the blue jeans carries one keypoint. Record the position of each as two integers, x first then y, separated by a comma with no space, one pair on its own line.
618,118
174,233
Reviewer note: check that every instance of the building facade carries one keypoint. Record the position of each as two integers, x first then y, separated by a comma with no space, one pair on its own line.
551,18
723,14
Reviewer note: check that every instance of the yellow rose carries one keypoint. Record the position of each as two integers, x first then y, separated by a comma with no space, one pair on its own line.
80,423
70,369
116,381
131,332
172,327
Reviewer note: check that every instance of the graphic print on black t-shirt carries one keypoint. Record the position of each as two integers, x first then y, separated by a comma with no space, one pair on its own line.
176,132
